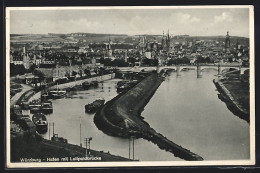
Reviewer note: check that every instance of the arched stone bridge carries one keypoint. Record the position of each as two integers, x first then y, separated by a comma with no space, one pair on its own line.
220,68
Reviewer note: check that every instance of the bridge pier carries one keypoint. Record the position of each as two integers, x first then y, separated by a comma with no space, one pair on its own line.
178,70
199,75
243,69
200,68
158,69
219,70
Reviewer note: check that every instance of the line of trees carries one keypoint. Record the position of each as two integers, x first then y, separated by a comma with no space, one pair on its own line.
19,69
177,61
186,60
149,62
114,63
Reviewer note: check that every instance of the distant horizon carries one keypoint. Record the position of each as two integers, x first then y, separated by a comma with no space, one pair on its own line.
112,34
203,21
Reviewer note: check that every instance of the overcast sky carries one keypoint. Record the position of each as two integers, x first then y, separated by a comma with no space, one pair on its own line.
195,22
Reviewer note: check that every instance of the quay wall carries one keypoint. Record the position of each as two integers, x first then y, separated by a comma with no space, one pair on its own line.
231,103
36,96
79,82
75,83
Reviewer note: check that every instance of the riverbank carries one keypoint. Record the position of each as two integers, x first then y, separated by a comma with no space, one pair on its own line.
37,95
29,145
18,96
235,93
122,117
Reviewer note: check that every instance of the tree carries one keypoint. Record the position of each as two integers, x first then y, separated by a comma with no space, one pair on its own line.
102,60
132,60
146,61
12,69
87,72
185,60
208,60
119,63
32,68
178,61
74,73
107,62
17,69
200,59
154,62
171,62
40,75
80,73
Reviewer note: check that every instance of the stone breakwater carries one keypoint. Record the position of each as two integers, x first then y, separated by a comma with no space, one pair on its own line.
231,103
121,117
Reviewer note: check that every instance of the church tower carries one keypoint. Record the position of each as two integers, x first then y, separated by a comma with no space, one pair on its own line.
109,48
163,41
227,41
168,41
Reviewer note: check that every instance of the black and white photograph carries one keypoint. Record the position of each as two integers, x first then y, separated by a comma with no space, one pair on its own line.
130,86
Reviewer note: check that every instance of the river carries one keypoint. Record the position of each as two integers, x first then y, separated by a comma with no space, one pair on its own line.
185,109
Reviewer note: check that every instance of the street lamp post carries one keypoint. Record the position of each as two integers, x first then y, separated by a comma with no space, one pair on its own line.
80,132
133,138
129,148
133,147
87,140
51,124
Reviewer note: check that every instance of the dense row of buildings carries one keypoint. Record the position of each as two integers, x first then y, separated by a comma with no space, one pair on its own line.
92,55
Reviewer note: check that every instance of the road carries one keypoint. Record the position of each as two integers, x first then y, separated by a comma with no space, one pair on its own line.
14,99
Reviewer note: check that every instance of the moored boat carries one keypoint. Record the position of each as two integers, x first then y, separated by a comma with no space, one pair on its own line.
45,96
94,84
47,107
40,121
123,87
95,106
35,106
86,85
56,94
56,138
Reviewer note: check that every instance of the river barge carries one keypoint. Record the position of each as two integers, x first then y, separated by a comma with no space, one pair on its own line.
45,96
57,94
95,106
125,85
40,121
86,85
56,138
47,107
35,106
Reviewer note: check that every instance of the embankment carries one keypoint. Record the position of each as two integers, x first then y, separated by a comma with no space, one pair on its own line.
75,83
122,117
34,146
230,101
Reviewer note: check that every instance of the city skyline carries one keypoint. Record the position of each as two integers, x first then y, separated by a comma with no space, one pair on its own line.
194,21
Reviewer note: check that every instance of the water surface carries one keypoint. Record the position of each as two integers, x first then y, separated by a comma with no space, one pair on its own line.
185,109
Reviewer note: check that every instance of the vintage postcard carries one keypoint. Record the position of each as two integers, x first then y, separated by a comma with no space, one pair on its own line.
130,86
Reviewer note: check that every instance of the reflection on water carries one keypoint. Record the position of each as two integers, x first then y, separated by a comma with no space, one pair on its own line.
185,109
68,111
